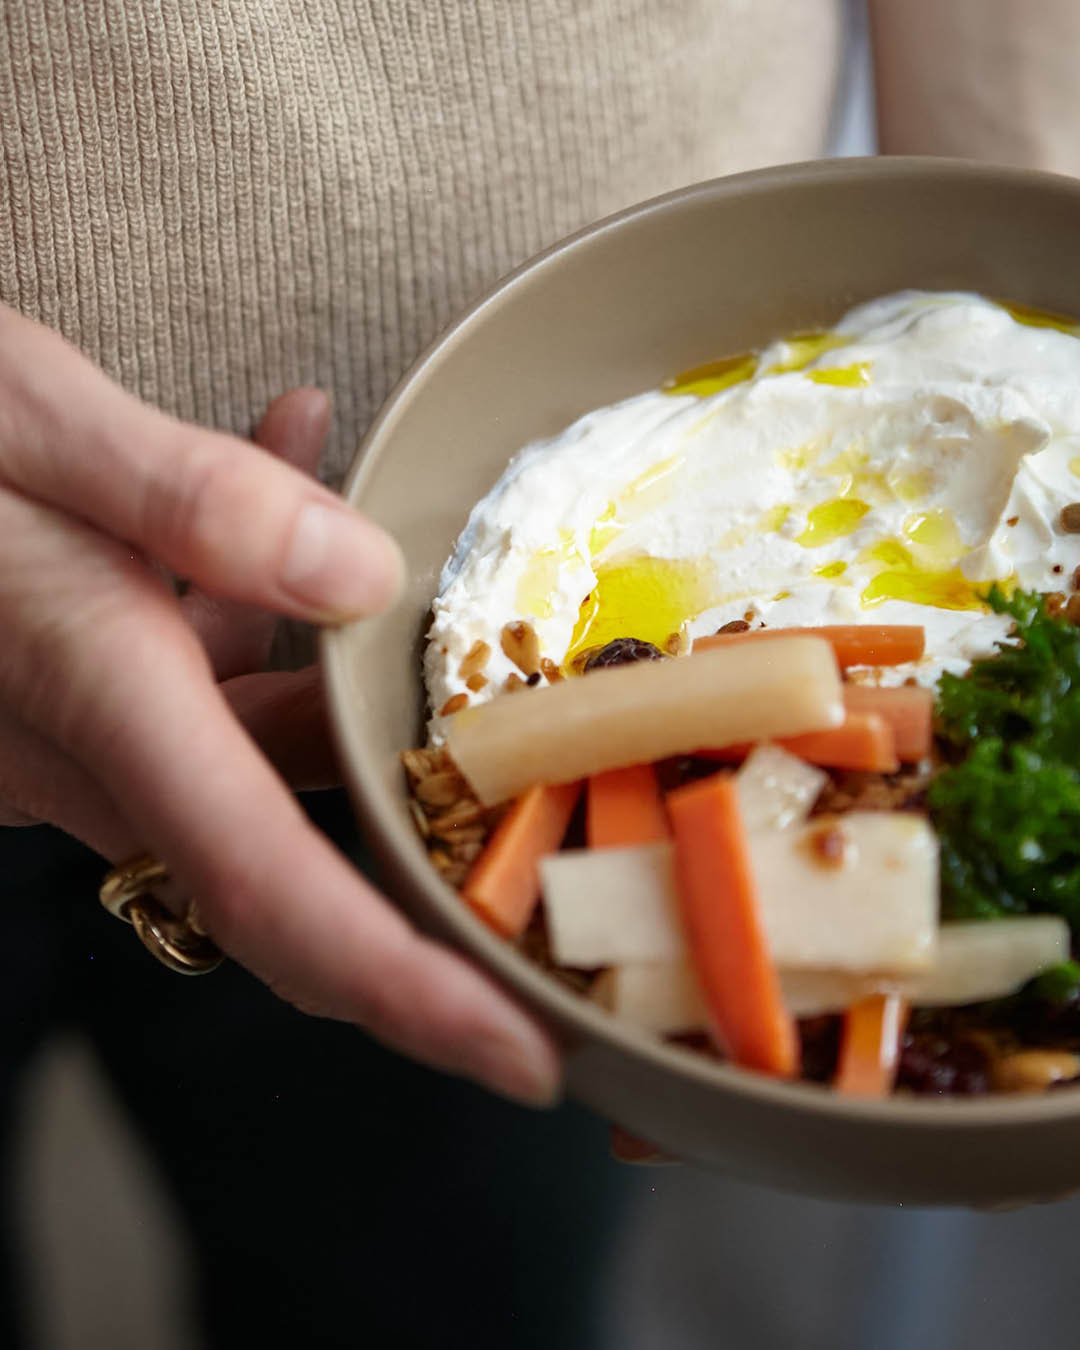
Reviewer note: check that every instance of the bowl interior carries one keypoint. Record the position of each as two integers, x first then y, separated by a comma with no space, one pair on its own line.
706,272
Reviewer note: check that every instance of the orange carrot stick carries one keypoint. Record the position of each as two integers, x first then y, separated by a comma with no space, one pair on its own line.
863,741
909,711
870,1048
624,807
503,886
727,942
854,644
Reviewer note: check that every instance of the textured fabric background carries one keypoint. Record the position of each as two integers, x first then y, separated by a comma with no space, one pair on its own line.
219,200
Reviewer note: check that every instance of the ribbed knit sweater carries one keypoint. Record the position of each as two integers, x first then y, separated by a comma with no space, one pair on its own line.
219,199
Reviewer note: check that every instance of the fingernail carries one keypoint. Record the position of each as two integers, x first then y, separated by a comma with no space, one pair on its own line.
341,564
524,1069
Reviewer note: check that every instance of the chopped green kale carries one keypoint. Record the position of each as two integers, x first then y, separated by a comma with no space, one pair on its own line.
1059,985
1008,811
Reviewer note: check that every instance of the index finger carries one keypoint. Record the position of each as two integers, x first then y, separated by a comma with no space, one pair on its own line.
211,507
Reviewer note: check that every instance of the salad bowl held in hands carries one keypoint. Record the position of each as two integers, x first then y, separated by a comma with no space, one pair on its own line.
719,268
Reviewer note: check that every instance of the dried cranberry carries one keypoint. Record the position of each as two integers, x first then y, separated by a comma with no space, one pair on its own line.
1043,1022
934,1064
622,652
820,1042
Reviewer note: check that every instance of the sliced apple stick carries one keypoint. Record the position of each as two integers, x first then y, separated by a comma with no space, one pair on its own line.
808,993
977,960
989,958
645,712
660,996
776,789
665,997
852,893
607,906
629,891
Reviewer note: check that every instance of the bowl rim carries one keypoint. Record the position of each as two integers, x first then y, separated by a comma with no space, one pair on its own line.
379,816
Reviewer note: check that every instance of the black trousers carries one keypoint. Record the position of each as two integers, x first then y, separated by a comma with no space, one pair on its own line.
335,1194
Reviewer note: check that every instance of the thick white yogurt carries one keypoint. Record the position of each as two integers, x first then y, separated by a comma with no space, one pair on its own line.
881,474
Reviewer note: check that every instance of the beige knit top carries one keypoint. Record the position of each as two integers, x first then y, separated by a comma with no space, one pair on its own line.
219,199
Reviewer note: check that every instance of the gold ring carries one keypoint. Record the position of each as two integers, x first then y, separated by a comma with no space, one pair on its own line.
178,942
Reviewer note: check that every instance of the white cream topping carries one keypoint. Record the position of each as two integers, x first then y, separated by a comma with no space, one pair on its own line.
929,449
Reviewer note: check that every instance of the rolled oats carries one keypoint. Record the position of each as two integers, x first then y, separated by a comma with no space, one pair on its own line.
419,764
465,811
452,872
449,818
419,818
443,788
450,832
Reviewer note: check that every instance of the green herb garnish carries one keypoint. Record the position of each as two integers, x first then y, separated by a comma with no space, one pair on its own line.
1008,813
1059,985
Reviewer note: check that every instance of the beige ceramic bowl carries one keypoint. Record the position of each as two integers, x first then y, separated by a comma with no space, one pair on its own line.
715,269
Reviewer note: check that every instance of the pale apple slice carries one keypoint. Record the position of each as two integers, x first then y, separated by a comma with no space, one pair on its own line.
606,906
807,993
857,892
776,789
664,996
976,961
660,996
990,958
640,713
853,892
